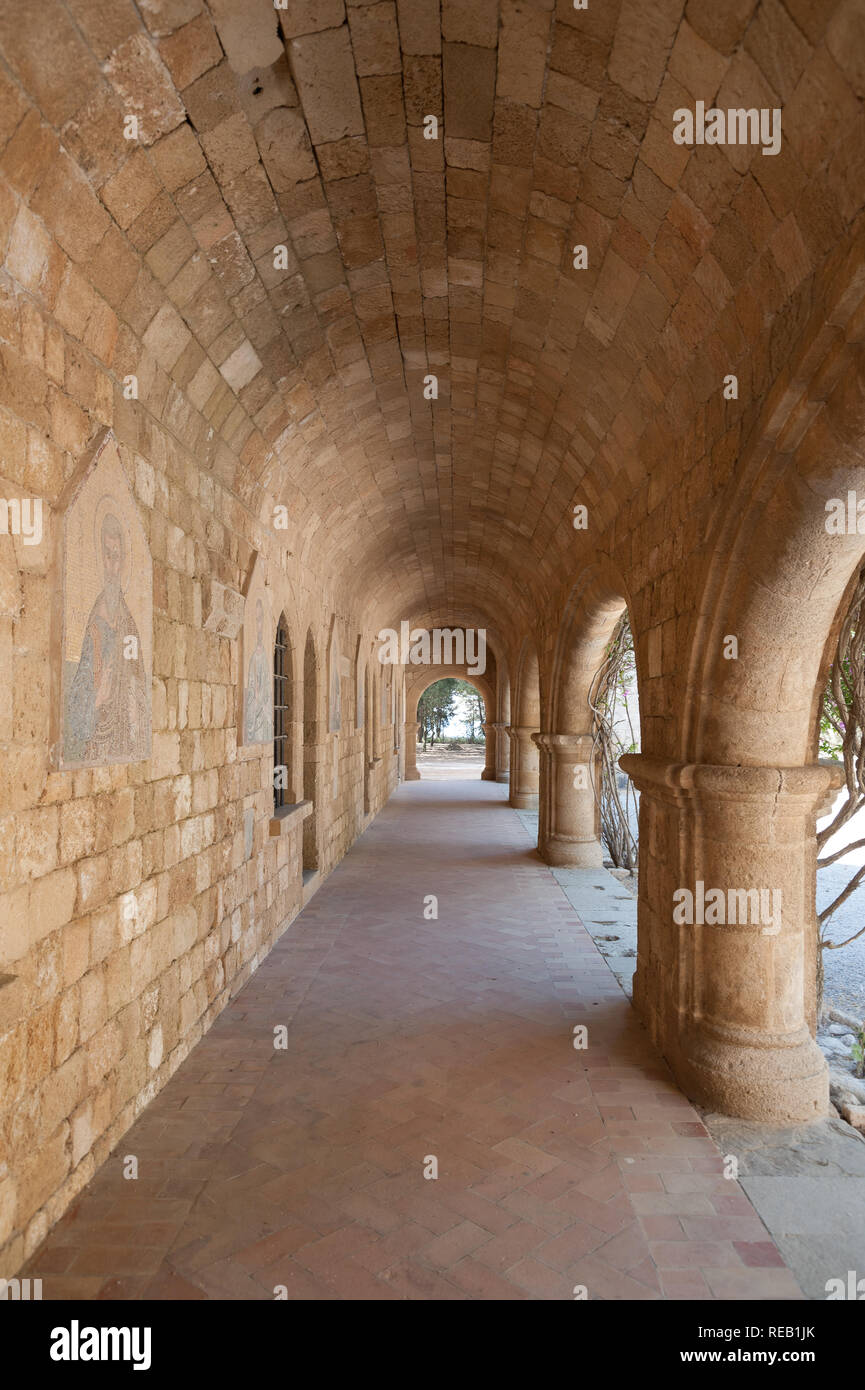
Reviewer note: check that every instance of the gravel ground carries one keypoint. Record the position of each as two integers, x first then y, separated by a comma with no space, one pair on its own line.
845,968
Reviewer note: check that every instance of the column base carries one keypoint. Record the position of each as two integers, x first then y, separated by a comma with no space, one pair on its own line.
412,775
488,775
524,801
564,853
777,1085
503,777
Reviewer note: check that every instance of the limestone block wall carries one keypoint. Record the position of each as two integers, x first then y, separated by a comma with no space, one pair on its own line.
247,289
136,898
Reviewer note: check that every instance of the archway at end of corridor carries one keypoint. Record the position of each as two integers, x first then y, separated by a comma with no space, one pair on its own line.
488,689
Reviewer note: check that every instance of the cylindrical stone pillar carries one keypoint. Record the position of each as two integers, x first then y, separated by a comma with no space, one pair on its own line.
524,768
567,824
489,772
503,753
726,966
411,772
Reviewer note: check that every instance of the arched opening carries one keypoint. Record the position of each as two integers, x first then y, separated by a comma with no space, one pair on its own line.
503,719
368,715
841,853
418,683
614,705
385,677
310,756
375,713
586,806
283,719
524,776
453,737
730,782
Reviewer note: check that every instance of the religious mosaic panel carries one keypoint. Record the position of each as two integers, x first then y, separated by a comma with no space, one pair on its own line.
334,666
359,691
107,621
256,720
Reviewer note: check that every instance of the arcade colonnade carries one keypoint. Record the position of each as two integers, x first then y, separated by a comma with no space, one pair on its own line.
323,319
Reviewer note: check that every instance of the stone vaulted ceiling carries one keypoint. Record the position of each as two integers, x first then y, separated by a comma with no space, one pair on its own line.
306,127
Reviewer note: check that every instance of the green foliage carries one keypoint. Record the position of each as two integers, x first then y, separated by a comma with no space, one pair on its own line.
473,706
833,721
438,705
435,709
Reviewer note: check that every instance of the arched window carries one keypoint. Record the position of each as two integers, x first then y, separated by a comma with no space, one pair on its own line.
311,754
282,791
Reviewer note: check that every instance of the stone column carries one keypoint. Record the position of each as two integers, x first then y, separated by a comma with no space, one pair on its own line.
568,820
726,967
503,753
490,733
411,772
524,768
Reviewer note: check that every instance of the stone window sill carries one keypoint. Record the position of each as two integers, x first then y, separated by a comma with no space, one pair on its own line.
287,817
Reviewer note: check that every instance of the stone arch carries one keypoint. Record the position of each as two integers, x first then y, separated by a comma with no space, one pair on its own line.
526,709
368,736
776,578
415,687
311,755
375,709
417,681
593,608
527,689
502,762
569,831
284,716
734,1010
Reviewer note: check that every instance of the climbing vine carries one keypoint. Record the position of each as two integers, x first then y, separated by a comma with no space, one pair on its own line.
842,717
613,735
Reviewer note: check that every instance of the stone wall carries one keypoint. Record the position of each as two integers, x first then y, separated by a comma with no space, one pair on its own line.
133,903
230,236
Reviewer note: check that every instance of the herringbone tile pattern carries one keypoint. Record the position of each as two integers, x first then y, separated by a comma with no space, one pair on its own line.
302,1168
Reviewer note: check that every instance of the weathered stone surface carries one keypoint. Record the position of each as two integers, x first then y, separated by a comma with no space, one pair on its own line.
324,71
285,149
143,84
249,34
381,294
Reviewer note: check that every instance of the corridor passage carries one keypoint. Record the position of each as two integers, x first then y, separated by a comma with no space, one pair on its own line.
299,1171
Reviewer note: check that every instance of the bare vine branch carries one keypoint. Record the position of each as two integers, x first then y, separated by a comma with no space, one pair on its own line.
841,726
607,699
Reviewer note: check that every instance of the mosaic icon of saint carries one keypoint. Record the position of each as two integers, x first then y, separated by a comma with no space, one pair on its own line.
107,716
258,718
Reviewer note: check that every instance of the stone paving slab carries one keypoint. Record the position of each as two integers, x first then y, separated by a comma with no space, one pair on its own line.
806,1182
411,1039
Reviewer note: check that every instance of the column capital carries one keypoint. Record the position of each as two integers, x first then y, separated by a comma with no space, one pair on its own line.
577,747
729,782
520,730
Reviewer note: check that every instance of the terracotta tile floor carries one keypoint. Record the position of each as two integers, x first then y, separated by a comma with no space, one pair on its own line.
304,1168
